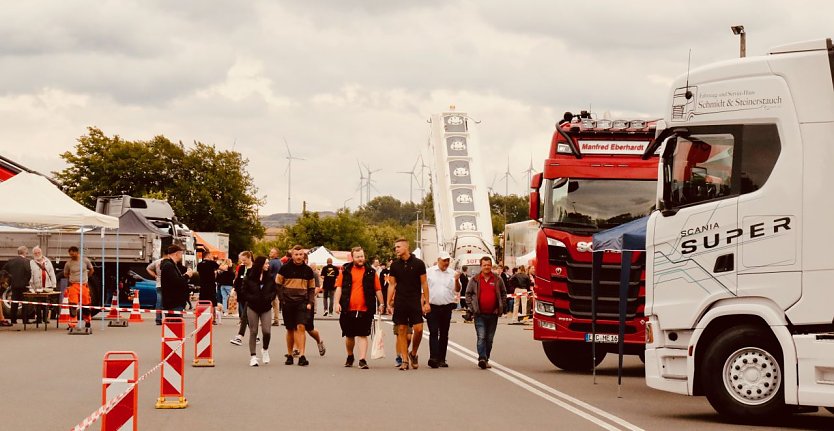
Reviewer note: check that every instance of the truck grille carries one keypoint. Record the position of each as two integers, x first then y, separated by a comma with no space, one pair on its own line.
579,289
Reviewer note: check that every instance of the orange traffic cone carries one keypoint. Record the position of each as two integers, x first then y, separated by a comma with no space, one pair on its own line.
65,317
135,312
114,308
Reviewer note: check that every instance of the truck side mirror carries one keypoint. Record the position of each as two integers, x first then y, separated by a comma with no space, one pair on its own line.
535,200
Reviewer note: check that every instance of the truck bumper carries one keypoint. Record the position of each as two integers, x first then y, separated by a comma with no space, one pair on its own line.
666,370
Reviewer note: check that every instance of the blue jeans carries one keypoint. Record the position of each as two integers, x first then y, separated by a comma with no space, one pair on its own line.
225,291
158,305
485,326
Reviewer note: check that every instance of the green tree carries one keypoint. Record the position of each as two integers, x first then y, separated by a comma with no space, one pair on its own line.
209,190
507,209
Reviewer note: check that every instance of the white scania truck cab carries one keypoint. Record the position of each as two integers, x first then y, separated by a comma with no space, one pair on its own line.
740,257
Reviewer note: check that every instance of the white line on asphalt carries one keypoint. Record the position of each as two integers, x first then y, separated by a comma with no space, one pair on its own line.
538,388
468,354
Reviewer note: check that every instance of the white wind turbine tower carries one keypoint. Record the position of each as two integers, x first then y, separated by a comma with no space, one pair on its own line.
361,187
529,171
369,181
507,177
411,176
289,158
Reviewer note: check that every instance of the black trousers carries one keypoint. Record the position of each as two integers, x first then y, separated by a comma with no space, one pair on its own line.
439,320
17,295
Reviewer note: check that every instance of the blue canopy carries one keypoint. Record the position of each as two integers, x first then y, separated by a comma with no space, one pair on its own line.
630,236
625,238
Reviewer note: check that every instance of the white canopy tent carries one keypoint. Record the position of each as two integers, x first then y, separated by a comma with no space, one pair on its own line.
525,259
320,255
31,200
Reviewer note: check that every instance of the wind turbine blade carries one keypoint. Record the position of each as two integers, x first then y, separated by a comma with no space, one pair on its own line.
289,154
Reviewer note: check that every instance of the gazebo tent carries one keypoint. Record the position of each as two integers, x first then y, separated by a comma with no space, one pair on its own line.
626,238
320,255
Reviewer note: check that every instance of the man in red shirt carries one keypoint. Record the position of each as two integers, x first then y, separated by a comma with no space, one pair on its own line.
356,287
486,297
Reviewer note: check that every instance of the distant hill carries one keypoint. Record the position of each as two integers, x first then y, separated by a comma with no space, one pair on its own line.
288,219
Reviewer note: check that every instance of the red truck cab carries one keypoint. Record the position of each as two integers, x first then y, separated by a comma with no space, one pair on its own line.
599,174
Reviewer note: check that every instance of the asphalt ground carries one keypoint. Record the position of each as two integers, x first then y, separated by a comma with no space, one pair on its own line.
53,381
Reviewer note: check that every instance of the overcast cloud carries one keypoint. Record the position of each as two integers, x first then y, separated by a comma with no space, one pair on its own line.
355,80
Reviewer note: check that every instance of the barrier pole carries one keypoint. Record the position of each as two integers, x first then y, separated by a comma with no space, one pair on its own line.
120,371
172,379
203,323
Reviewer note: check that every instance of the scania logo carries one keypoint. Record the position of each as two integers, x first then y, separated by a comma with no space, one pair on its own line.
584,247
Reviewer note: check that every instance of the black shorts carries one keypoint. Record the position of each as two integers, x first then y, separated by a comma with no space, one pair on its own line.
310,323
356,324
295,313
408,313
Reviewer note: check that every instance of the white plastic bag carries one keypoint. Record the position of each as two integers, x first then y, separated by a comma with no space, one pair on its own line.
377,341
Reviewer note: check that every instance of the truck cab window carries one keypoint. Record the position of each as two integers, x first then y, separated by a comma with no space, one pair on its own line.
701,169
761,150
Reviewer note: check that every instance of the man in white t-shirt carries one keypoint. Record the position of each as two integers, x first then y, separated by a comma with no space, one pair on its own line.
443,284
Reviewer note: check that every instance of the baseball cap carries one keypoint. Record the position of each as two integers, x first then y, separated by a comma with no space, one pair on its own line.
444,255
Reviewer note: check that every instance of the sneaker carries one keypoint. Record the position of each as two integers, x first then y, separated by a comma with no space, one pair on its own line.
433,363
413,359
257,340
325,314
443,364
482,364
295,353
265,356
363,364
237,341
349,361
289,360
253,361
302,361
322,349
398,361
487,364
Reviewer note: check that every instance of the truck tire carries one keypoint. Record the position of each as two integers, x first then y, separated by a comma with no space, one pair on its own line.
572,355
742,374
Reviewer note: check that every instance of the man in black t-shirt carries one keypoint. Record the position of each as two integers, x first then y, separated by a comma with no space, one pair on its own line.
409,298
328,275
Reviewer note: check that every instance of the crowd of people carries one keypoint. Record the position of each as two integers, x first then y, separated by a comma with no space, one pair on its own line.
266,287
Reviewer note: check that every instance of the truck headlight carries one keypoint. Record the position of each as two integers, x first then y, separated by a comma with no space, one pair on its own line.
545,308
555,243
547,325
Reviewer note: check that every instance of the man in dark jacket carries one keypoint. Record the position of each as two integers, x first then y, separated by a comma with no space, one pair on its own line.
174,283
20,273
207,269
356,288
486,296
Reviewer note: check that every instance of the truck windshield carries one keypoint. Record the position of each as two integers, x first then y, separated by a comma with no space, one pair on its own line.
593,205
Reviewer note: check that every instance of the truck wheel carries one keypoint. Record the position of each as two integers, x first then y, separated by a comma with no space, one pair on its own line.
742,374
572,356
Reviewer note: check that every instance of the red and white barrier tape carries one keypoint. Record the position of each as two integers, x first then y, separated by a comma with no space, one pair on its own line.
96,415
96,307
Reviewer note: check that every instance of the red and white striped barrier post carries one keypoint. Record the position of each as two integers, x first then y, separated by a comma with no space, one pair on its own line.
172,379
121,370
203,353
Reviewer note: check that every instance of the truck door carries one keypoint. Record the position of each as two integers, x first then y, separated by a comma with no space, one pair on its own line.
696,238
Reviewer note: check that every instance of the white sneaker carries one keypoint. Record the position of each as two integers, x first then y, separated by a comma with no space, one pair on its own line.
237,341
258,340
253,361
265,356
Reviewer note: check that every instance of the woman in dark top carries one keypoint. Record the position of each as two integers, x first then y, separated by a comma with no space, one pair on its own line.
259,291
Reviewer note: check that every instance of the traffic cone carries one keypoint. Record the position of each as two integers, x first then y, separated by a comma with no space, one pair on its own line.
114,308
65,317
135,312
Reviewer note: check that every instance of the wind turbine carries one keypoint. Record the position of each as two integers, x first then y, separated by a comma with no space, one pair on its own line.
289,158
491,187
369,181
529,171
362,179
507,177
411,176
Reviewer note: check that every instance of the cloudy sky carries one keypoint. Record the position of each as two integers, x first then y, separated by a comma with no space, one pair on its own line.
343,81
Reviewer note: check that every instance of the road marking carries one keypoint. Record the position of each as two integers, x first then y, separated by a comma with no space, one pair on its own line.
544,391
529,381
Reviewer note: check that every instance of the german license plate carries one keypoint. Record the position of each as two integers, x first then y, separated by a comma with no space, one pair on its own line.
603,338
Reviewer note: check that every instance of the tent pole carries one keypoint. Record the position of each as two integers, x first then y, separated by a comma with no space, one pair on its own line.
625,278
82,267
595,271
103,278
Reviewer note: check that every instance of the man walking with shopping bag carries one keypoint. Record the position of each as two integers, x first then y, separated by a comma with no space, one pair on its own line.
356,288
443,283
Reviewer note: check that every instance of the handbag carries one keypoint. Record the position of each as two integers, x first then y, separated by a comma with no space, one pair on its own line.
378,341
